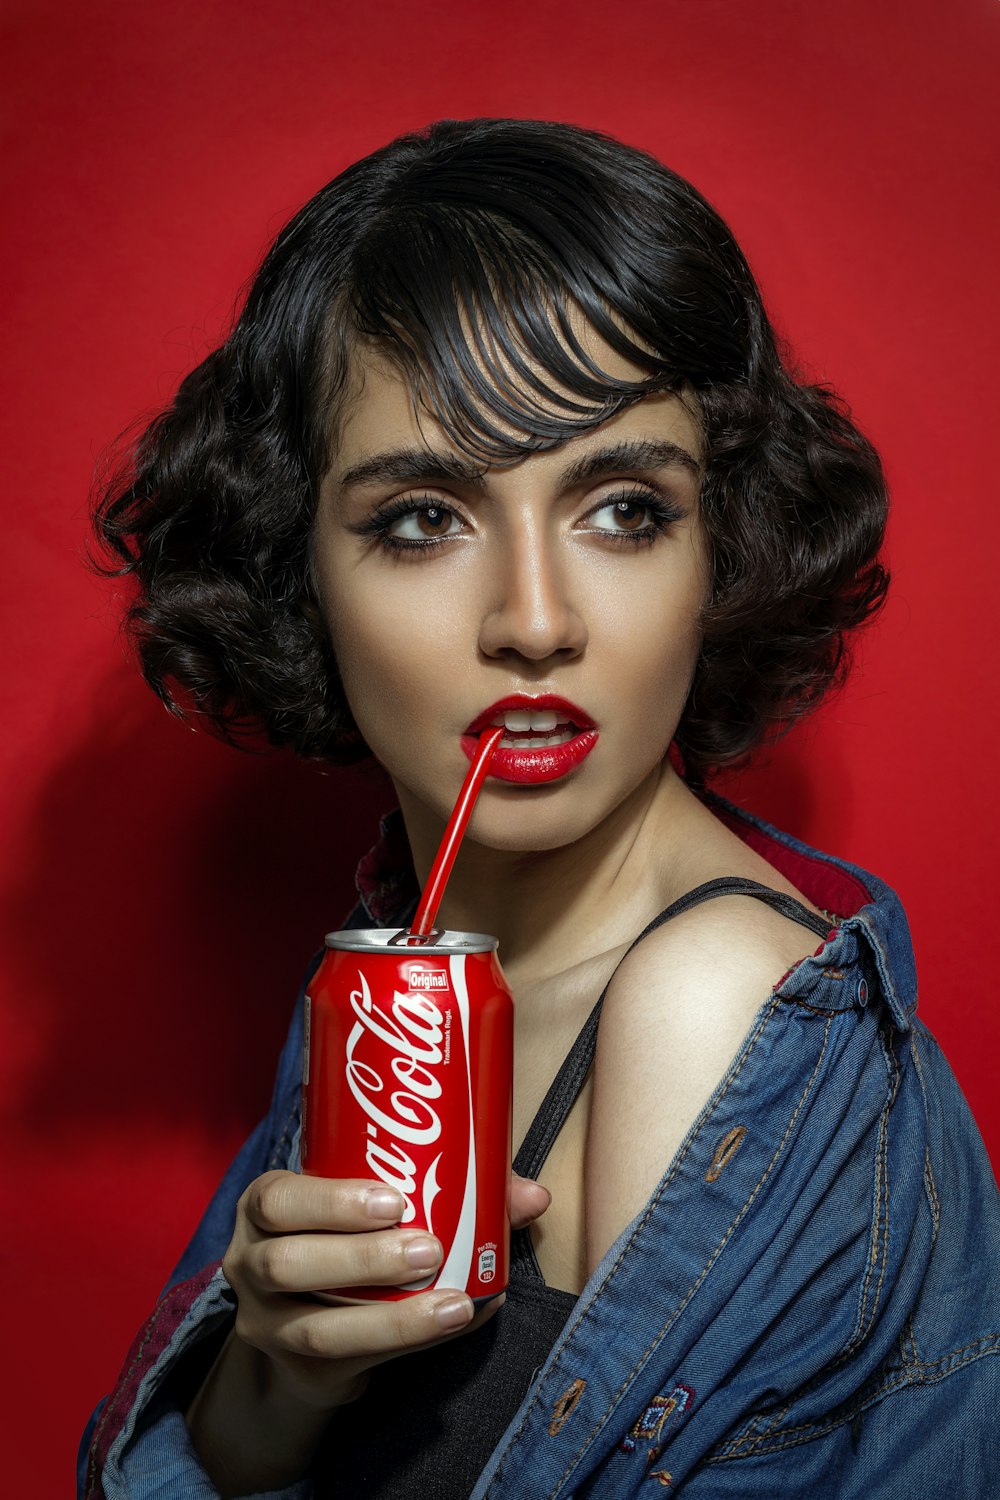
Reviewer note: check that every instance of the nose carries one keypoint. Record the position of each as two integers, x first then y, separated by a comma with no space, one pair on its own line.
527,610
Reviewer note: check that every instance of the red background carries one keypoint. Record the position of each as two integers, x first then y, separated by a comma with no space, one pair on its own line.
165,892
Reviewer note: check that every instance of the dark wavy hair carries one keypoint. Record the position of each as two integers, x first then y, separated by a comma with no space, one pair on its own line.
463,250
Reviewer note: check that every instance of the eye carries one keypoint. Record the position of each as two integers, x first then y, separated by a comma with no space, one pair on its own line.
424,523
633,515
412,525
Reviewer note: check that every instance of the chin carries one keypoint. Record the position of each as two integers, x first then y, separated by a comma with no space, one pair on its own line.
536,842
529,819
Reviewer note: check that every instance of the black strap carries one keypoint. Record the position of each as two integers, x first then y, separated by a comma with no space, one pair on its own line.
565,1087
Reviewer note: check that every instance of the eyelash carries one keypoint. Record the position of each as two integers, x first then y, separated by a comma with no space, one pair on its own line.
662,514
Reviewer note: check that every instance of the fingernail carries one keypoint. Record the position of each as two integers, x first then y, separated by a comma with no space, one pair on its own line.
453,1314
384,1203
422,1253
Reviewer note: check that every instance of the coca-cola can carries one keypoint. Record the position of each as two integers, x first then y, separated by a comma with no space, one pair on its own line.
408,1077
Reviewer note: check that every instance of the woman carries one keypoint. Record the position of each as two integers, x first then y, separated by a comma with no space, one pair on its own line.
502,435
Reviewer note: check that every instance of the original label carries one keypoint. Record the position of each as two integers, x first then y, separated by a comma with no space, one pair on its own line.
428,979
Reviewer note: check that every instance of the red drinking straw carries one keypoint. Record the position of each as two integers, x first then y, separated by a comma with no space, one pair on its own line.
423,923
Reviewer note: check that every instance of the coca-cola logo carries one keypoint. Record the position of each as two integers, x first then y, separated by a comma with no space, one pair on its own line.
410,1040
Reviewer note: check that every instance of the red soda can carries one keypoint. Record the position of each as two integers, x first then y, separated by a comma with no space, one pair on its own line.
408,1076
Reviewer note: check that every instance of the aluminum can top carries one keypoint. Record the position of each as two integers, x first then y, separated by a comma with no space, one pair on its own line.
398,940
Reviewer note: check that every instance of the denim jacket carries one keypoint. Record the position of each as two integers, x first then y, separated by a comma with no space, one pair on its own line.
807,1306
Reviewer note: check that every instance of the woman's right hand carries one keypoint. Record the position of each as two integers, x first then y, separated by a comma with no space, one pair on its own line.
297,1236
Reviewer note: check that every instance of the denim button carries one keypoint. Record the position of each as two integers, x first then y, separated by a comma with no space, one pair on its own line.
862,993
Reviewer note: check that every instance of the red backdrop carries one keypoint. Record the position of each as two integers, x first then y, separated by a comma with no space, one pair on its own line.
165,892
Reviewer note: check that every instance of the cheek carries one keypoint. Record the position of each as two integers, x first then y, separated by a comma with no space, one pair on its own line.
661,683
670,636
389,652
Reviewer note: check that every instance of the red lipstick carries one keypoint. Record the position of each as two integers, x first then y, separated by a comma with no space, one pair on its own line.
575,732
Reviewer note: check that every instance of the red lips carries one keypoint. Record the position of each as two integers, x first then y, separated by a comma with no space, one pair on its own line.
539,763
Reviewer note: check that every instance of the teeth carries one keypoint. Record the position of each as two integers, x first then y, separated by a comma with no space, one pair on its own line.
544,721
539,721
537,742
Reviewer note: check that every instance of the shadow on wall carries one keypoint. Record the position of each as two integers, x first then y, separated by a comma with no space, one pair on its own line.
802,784
169,899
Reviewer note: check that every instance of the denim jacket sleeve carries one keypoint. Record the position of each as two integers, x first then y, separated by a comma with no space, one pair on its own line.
809,1305
136,1444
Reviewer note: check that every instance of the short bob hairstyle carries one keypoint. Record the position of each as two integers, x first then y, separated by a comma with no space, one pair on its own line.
462,251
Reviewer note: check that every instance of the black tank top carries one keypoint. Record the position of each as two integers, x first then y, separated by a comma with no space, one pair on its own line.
429,1421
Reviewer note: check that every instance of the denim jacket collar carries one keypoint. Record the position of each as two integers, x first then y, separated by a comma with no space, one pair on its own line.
385,880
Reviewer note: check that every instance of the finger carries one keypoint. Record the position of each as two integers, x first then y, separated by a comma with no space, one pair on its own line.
282,1263
290,1202
528,1201
482,1315
375,1332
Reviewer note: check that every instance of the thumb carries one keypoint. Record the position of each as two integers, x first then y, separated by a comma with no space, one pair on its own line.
528,1200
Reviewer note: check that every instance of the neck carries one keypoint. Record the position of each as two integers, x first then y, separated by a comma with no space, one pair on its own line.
553,908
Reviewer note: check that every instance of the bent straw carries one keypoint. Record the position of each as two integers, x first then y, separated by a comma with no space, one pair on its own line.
423,921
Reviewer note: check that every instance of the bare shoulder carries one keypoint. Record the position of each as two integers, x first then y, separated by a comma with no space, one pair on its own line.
721,957
676,1013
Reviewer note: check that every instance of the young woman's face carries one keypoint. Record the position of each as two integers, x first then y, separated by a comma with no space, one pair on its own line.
574,576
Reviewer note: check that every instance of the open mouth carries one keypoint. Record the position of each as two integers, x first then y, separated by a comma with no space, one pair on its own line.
544,738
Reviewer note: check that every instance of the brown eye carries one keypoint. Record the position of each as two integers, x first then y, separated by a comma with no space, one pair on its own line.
433,521
630,515
635,517
624,517
424,523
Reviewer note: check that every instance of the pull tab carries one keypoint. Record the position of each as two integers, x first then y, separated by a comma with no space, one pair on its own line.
404,938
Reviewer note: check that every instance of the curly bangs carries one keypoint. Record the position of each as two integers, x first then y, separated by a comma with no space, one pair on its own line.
467,253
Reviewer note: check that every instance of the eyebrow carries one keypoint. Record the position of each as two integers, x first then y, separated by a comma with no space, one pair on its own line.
425,465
